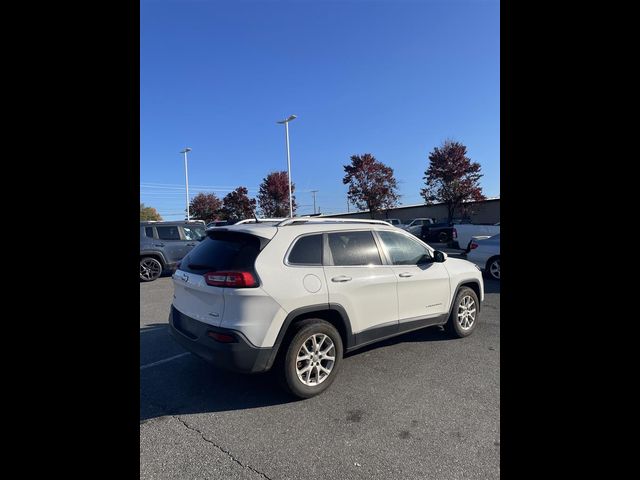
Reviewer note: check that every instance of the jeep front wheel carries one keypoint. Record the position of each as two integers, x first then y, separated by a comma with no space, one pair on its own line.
464,314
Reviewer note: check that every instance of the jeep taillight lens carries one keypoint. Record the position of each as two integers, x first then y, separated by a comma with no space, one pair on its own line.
455,233
230,279
473,245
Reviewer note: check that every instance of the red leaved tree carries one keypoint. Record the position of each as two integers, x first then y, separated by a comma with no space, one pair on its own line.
237,205
452,178
371,183
205,206
273,196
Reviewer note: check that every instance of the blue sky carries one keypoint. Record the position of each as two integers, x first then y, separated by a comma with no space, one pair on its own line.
391,78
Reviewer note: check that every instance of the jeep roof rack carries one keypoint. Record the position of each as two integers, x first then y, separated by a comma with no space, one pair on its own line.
259,220
290,221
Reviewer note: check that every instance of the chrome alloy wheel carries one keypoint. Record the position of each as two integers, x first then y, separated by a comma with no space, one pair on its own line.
315,359
149,269
466,312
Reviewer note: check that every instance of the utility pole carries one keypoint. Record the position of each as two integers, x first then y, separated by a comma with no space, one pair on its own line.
313,192
286,129
186,179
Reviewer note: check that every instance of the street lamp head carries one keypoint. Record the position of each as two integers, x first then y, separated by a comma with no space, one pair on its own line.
291,117
186,150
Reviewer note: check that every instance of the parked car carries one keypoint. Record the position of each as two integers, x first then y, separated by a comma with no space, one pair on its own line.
164,244
438,232
485,254
394,221
218,223
415,225
297,294
466,231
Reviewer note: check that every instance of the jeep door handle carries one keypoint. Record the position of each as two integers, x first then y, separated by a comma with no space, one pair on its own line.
191,244
341,278
405,274
159,245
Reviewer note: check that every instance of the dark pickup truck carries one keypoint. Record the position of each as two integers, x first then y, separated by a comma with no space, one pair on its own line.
438,232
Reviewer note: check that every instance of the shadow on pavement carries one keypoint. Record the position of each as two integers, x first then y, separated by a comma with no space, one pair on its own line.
491,285
190,385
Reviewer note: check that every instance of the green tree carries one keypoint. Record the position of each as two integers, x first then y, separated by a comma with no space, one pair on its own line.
148,213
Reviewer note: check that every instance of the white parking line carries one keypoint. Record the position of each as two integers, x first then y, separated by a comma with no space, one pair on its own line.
159,362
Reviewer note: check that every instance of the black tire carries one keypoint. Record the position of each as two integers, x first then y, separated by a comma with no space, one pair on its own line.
453,326
443,237
493,263
150,269
288,363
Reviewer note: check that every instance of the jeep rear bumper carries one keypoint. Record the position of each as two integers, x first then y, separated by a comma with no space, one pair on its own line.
238,355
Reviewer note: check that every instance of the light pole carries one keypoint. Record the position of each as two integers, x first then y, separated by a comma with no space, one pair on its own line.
314,200
286,129
186,179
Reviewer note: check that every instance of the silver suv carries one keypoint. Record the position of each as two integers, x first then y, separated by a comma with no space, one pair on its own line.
298,293
164,244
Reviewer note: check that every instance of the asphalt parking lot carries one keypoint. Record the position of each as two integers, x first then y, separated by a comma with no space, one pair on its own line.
417,406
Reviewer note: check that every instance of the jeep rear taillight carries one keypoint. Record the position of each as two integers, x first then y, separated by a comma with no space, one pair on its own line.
230,279
473,245
455,233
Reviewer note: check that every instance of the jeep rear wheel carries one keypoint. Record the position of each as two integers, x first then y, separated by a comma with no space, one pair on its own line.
312,358
150,269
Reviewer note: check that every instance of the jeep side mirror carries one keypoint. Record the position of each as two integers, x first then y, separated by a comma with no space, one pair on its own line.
439,256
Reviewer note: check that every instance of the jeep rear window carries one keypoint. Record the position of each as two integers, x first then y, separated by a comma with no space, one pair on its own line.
307,251
222,251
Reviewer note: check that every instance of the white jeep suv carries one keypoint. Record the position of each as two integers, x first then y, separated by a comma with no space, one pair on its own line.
298,293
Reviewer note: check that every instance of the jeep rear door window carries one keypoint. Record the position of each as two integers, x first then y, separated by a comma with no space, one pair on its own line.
353,248
307,251
168,232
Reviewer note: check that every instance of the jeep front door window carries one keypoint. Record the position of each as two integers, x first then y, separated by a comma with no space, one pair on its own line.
423,285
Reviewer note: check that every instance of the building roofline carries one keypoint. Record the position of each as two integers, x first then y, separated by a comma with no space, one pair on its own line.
413,205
